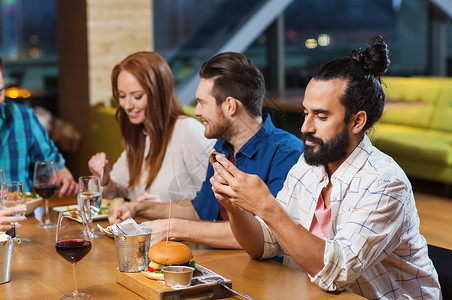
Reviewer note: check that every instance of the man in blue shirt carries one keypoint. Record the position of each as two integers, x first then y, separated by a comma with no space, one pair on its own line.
230,96
24,141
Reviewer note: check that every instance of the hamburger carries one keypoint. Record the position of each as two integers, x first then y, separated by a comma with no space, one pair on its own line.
164,254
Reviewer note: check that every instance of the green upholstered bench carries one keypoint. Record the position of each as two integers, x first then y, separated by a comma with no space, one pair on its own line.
416,126
105,133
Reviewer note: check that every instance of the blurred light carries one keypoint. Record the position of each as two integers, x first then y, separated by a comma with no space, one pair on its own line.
34,52
291,34
24,93
12,93
15,93
324,40
310,43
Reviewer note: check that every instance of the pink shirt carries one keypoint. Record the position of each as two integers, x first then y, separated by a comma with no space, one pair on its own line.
320,225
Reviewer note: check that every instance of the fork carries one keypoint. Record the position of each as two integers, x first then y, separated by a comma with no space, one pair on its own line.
221,281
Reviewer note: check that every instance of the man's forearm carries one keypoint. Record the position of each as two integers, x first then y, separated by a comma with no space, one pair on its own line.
247,231
303,247
158,210
212,234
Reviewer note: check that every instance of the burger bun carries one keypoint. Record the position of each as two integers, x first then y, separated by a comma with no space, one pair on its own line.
170,253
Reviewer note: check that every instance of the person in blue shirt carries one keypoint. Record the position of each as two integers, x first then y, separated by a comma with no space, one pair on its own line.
24,141
229,103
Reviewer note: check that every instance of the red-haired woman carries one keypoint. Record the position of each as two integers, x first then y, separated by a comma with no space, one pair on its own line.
166,153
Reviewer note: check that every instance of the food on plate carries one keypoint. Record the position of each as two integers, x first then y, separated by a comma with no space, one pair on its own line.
103,212
108,230
107,203
164,254
29,196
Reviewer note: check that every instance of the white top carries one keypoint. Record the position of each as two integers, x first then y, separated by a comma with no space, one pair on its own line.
374,247
183,169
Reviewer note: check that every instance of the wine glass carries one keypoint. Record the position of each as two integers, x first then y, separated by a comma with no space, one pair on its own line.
45,184
89,199
13,195
73,242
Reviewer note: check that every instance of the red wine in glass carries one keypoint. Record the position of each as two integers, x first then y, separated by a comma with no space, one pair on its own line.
46,191
73,250
45,184
73,243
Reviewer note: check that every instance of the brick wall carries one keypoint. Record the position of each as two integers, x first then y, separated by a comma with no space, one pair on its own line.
116,28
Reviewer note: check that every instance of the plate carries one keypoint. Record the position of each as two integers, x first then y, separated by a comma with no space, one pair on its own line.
32,205
32,202
75,206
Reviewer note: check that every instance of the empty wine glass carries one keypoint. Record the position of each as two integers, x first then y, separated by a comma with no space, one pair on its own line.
12,195
73,242
89,199
45,184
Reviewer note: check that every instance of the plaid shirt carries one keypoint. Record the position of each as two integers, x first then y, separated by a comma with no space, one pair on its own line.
23,142
374,247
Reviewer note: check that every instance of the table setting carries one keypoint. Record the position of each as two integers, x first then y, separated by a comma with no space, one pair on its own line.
39,267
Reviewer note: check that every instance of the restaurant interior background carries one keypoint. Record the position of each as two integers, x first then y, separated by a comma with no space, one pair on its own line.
43,43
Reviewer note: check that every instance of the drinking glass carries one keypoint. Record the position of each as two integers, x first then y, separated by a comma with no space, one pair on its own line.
89,199
45,184
13,195
73,242
2,177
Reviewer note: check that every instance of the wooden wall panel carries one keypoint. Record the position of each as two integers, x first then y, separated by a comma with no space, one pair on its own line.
73,80
93,36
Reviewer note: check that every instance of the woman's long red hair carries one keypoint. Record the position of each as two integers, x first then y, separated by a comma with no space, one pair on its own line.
163,108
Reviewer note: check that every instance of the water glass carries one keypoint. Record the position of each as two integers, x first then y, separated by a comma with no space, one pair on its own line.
89,199
13,195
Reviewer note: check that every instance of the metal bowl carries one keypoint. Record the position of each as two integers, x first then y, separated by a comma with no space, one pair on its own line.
177,276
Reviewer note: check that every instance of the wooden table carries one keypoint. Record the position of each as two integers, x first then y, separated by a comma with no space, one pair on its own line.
38,272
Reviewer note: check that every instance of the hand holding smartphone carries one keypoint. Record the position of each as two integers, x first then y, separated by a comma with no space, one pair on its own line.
214,156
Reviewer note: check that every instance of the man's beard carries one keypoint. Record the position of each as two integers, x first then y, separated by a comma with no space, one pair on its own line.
220,129
329,152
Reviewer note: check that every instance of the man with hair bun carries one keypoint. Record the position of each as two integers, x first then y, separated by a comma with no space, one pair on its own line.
346,214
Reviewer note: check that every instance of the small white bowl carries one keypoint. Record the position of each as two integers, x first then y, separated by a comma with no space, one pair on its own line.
31,205
177,276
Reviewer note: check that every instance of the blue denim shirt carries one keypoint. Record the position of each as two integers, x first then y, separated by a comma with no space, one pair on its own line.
270,154
23,142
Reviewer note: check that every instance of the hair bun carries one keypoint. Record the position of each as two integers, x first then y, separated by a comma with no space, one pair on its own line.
375,58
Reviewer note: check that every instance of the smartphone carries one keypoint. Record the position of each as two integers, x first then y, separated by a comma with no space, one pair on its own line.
214,156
